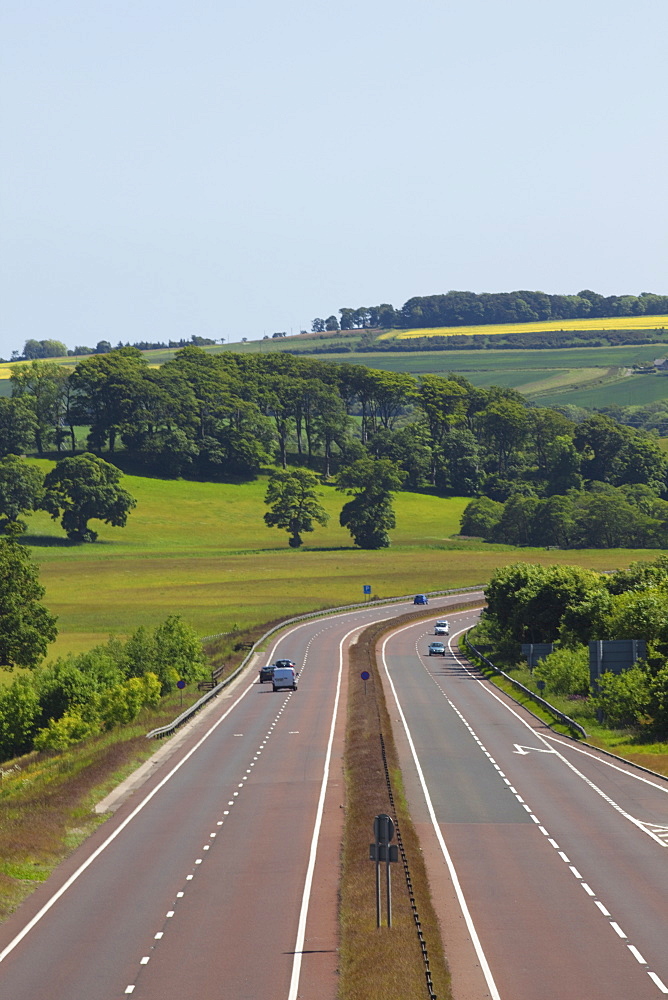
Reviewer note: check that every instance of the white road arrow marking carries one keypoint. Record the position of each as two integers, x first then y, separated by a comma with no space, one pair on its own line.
523,751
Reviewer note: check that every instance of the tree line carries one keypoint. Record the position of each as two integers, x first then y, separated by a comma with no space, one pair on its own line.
231,415
570,606
596,484
473,309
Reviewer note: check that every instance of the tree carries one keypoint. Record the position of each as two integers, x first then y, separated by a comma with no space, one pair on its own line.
179,653
26,627
86,487
369,516
35,349
292,497
443,403
106,386
21,489
19,710
42,385
527,603
480,517
17,427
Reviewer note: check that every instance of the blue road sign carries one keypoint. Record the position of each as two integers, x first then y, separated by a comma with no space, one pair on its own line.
367,588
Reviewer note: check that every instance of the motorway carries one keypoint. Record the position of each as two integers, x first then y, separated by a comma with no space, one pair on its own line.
556,853
218,877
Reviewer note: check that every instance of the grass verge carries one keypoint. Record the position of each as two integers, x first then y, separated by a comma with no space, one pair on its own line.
47,800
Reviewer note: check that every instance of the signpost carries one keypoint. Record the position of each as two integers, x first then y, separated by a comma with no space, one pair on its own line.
383,850
181,685
367,590
365,675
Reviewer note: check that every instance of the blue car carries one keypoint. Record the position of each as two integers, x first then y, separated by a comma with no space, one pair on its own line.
420,599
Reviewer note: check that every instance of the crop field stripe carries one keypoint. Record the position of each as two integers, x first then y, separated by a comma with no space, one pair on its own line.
540,326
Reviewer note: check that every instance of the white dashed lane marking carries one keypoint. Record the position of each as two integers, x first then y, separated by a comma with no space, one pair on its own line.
158,936
659,832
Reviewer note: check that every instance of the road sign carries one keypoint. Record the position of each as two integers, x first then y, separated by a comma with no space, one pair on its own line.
365,675
367,588
383,829
180,684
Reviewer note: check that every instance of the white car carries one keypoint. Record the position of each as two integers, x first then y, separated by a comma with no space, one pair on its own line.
442,627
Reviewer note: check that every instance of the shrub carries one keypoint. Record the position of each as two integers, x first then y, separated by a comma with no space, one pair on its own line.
565,671
624,699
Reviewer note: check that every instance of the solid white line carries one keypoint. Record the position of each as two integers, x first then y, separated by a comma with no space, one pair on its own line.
306,895
487,972
604,760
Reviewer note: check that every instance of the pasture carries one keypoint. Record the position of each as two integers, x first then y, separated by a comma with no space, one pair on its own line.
202,550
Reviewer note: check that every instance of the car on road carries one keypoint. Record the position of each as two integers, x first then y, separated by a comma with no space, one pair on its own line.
442,627
285,663
420,599
284,677
266,673
436,649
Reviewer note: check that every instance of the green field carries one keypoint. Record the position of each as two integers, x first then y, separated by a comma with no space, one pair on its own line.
203,551
583,376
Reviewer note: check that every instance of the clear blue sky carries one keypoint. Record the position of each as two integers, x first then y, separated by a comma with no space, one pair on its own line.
234,168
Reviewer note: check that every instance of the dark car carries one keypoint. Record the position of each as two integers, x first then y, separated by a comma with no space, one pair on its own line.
420,599
267,673
285,663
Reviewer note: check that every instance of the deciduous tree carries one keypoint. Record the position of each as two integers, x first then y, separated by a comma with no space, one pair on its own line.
293,498
26,627
86,487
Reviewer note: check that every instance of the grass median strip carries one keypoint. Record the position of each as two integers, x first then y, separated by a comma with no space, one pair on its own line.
385,962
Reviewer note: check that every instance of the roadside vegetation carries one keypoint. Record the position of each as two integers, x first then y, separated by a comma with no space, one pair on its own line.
624,710
47,799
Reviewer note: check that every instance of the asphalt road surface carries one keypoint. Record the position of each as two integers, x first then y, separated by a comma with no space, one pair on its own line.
555,853
218,877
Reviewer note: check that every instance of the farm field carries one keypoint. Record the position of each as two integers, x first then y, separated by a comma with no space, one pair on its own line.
541,326
583,376
631,390
203,551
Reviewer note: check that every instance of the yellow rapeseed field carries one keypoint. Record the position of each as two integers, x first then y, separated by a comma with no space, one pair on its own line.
609,323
